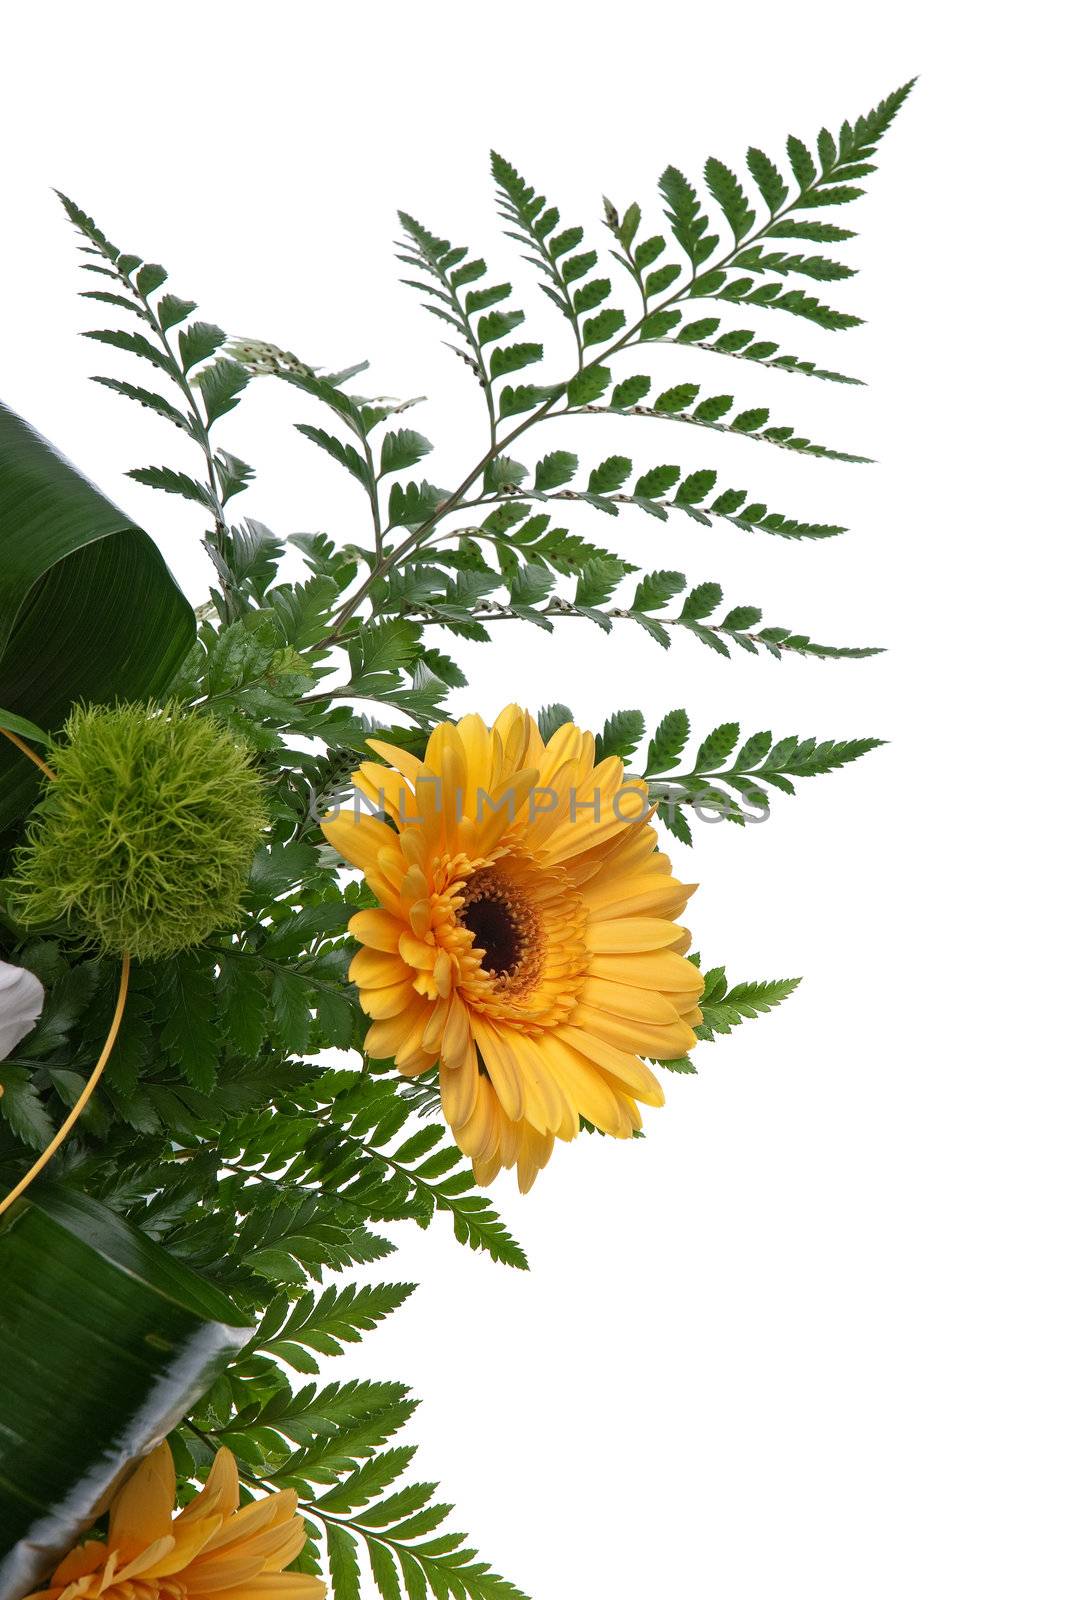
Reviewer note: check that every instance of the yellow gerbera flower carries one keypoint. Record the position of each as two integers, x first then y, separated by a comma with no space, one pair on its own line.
525,941
210,1549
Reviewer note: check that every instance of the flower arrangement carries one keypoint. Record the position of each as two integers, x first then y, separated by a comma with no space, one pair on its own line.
292,947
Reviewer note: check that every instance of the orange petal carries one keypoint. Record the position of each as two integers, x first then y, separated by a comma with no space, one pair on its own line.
279,1586
621,1000
626,935
642,1038
633,1074
359,838
458,1086
83,1559
142,1510
377,969
502,1065
377,929
385,1039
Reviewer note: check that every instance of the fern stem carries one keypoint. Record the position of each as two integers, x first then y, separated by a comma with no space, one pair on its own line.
495,611
723,427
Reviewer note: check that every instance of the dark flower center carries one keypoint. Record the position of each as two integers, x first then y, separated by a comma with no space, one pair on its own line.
495,932
506,927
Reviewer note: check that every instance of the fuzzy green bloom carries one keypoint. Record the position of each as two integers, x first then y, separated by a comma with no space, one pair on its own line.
144,841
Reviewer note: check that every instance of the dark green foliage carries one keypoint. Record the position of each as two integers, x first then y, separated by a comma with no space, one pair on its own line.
217,1134
558,257
819,183
760,763
481,596
661,490
446,272
724,1008
678,403
742,343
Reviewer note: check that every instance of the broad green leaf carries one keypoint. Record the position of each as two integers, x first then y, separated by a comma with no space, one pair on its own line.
105,1336
23,727
88,609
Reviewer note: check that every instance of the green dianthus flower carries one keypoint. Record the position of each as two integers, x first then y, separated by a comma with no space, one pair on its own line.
144,839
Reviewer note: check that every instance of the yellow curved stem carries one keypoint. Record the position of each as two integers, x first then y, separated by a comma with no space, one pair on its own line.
83,1099
24,747
102,1060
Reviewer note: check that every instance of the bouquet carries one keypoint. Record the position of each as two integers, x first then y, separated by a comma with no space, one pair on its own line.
296,942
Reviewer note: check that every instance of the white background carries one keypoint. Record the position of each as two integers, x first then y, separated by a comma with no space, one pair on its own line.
811,1337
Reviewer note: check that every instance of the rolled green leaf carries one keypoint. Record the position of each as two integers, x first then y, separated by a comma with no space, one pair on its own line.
88,608
106,1342
23,727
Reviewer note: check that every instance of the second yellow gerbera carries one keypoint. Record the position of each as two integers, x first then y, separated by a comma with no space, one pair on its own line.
525,941
214,1549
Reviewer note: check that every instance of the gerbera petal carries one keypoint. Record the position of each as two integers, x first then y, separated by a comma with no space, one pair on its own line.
141,1511
287,1548
632,1073
544,1103
359,837
251,1518
662,970
640,1005
475,737
485,1169
149,1557
645,1038
501,807
457,1085
412,1061
268,1550
478,1136
386,1038
377,929
191,1536
419,953
377,969
583,1085
387,1002
83,1559
220,1492
629,935
502,1064
457,1034
653,898
510,738
532,1157
383,787
410,766
279,1586
433,1027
